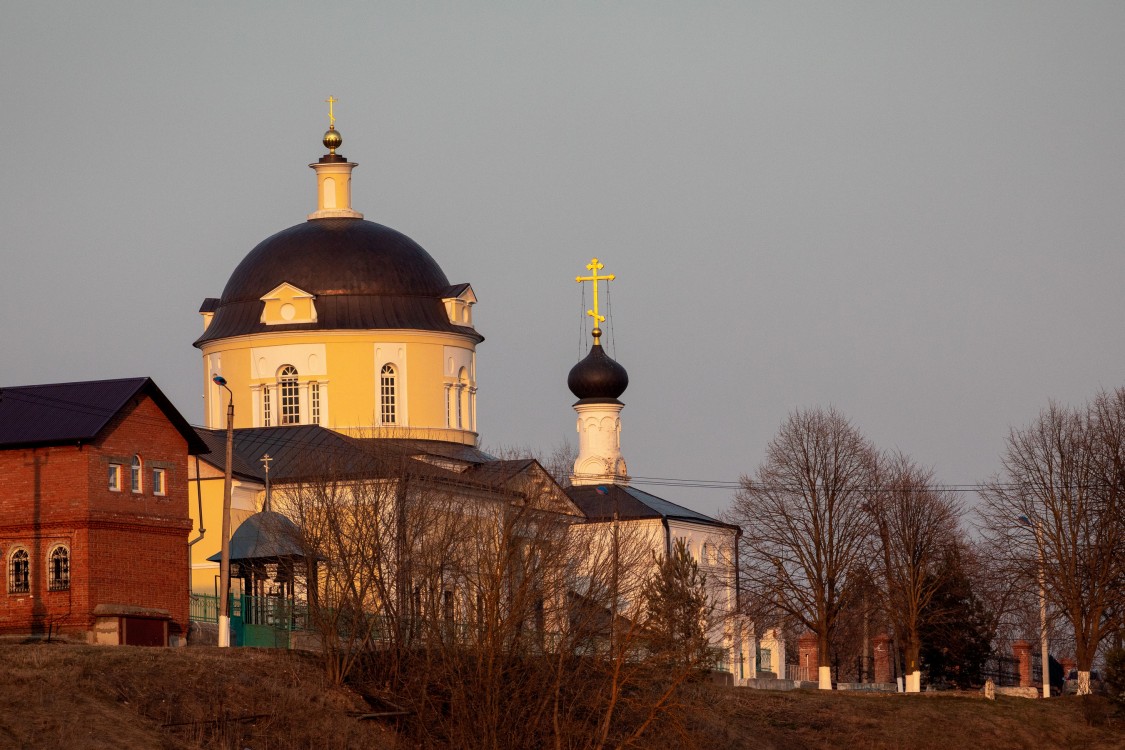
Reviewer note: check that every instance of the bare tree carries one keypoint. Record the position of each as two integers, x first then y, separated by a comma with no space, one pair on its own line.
478,601
1054,514
917,526
807,526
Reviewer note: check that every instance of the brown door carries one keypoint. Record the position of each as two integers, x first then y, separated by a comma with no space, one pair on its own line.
141,631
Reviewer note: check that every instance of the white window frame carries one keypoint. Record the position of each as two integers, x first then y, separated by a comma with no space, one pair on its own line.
114,477
289,395
136,475
388,394
159,482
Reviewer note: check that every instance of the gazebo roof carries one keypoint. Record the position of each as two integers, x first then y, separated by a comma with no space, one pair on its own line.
265,536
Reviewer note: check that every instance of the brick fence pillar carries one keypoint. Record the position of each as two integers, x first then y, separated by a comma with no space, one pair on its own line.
882,649
808,655
1022,651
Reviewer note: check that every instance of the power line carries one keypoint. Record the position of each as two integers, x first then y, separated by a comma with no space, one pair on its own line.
689,483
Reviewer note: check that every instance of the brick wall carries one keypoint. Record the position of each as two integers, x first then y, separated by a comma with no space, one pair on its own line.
125,548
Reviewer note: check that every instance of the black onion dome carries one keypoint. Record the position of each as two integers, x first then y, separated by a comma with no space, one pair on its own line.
597,376
363,275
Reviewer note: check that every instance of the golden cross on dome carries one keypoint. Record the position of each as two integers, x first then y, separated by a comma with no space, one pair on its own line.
594,266
331,117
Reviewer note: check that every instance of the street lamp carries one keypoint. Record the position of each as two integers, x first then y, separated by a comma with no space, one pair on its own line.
224,559
1045,657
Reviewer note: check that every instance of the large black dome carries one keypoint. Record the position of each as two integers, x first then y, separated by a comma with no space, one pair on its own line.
597,376
337,256
362,275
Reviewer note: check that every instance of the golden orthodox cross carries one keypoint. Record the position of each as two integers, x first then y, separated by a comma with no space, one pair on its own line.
595,266
331,117
266,465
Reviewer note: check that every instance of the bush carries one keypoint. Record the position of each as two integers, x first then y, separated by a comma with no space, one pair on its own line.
1115,677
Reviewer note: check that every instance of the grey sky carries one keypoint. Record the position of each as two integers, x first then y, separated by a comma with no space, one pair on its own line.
912,211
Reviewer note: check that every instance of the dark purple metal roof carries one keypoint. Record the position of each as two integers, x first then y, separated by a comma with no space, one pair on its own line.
363,275
62,413
310,452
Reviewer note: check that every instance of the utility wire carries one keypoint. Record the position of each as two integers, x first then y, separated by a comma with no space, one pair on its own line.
346,448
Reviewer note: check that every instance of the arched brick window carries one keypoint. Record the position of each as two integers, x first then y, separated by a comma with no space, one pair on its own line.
58,569
19,571
136,473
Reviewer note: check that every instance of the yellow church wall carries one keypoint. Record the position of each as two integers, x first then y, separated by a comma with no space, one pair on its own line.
245,501
351,382
347,364
426,395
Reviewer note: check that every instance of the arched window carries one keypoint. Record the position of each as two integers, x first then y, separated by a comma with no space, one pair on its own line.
388,403
19,572
290,397
136,474
58,569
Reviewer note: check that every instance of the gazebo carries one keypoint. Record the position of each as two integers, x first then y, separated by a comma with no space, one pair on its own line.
266,555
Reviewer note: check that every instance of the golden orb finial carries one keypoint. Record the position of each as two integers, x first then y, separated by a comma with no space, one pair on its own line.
332,139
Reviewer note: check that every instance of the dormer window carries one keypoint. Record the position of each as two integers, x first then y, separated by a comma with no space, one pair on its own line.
286,304
459,300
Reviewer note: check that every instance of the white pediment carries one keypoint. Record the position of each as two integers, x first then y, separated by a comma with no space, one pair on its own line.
286,304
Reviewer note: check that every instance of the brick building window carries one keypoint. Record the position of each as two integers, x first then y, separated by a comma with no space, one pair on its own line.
115,477
135,473
19,572
58,569
158,479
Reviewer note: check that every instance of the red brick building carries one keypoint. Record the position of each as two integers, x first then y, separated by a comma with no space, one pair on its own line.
94,518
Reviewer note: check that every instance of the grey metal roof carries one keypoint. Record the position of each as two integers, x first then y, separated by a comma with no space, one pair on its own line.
297,451
311,451
267,535
598,503
62,413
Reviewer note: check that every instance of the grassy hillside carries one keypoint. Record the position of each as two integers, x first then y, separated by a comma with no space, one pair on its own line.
75,697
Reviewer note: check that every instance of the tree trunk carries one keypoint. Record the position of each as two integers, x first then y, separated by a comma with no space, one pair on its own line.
1084,682
824,671
913,668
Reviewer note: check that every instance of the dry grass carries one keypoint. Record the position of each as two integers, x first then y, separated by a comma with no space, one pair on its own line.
76,697
71,696
931,721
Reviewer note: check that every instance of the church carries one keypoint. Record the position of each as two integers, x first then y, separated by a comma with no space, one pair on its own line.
338,335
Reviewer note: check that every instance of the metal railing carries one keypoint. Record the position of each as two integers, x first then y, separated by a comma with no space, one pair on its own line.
205,608
797,673
283,614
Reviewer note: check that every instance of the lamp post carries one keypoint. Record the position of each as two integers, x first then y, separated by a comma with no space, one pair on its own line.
224,560
1045,656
